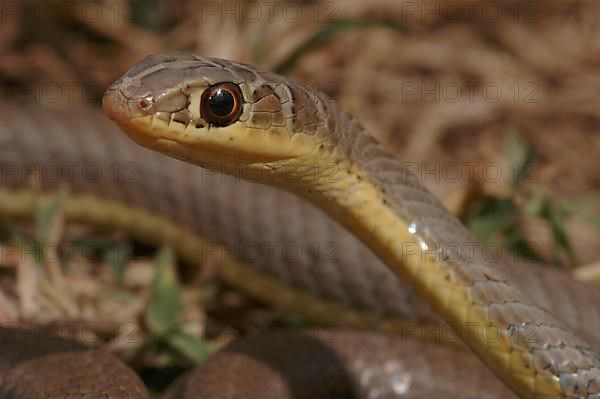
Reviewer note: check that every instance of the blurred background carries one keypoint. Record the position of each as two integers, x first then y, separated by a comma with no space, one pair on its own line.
495,103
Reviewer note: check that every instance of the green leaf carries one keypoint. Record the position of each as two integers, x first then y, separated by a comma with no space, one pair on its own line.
117,257
489,216
46,214
516,242
191,347
485,228
149,14
521,157
533,206
87,244
17,236
328,32
294,320
516,148
557,216
45,217
164,305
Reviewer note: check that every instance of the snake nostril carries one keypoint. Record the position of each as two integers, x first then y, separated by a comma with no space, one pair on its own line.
145,104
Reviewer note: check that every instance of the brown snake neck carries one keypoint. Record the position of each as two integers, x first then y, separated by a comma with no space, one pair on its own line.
284,125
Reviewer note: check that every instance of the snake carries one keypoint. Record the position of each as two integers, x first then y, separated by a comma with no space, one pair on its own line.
400,258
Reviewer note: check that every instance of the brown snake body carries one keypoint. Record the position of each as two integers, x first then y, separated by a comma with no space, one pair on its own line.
187,195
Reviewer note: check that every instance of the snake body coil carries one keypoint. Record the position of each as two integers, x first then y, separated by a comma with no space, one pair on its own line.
517,319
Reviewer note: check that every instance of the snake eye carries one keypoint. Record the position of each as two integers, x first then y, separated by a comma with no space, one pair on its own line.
221,104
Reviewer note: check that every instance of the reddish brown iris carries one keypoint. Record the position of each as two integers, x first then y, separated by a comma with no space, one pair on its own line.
221,104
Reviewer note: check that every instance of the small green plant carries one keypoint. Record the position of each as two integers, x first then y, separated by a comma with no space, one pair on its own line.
501,218
164,309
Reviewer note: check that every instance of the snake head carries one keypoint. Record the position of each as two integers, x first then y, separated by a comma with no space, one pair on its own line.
216,113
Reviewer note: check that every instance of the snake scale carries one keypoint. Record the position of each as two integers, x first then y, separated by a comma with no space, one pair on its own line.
258,126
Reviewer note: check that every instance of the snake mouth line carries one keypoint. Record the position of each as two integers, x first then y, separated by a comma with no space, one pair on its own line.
234,144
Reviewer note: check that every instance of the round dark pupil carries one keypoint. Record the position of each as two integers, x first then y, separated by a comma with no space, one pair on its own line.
221,103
